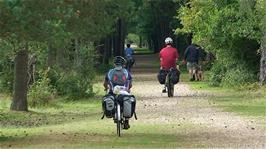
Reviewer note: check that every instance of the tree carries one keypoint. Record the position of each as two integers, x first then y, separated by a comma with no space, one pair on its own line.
261,7
156,20
231,29
19,102
15,23
24,23
62,34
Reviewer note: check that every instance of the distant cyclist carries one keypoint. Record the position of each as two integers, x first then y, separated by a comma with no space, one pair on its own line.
118,76
129,57
168,56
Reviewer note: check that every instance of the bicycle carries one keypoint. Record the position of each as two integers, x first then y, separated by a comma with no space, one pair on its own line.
119,118
130,63
169,84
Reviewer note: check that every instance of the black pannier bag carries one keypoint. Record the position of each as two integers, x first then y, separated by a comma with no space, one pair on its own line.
174,76
162,76
128,103
108,106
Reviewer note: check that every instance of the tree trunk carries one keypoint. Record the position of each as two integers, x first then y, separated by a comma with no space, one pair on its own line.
119,38
155,41
140,41
107,50
263,62
19,102
151,44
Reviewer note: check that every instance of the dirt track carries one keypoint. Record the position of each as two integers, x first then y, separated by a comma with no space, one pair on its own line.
211,125
190,119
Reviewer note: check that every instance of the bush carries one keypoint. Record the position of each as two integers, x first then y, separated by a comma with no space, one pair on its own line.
238,76
77,82
6,67
41,92
54,75
217,73
6,79
74,86
231,75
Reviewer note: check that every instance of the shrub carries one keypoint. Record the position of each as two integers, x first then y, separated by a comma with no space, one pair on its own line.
41,92
217,73
74,86
238,76
6,67
6,79
77,82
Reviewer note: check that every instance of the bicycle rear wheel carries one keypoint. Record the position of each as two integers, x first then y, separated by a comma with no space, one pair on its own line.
172,90
168,86
118,124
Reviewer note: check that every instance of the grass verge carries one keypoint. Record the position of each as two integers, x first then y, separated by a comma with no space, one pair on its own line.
142,51
245,100
66,124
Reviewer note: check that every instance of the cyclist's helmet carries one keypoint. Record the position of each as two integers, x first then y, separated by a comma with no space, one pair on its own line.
168,40
119,61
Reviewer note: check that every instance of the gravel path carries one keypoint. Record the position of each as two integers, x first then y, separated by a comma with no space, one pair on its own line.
212,126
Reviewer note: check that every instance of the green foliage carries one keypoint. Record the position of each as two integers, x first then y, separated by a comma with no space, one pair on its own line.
238,76
6,81
6,67
132,38
231,30
77,82
7,53
24,23
155,21
75,85
217,74
72,85
233,75
41,92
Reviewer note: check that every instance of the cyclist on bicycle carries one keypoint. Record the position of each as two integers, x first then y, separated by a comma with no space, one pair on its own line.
168,57
129,56
118,76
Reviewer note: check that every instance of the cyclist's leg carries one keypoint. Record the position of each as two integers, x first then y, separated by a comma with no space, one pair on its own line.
194,70
128,64
126,124
191,70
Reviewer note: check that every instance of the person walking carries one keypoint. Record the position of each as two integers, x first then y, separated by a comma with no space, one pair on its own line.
191,58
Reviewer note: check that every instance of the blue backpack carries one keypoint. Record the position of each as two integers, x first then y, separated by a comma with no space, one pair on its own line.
118,77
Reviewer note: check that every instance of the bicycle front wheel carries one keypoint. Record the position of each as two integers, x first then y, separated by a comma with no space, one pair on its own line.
118,124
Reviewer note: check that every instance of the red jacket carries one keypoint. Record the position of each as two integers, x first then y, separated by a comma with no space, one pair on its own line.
169,56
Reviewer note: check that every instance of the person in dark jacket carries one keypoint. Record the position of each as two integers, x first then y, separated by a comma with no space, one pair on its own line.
191,58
